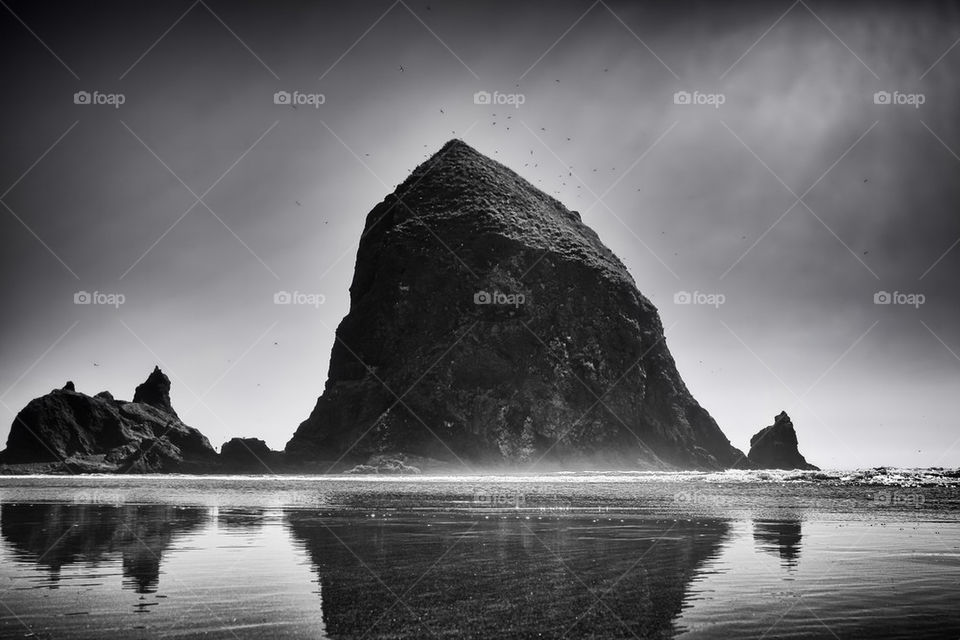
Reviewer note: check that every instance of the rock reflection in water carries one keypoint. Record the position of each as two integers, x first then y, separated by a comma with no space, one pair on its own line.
503,576
57,535
780,538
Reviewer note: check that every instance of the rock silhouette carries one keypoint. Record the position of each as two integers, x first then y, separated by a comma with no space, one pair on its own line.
489,325
775,447
75,432
249,454
155,391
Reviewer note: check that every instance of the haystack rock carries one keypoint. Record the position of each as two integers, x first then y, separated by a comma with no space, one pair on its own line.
775,447
489,325
71,431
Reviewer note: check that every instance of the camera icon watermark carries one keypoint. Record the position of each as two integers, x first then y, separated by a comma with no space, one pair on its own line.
699,298
299,99
914,300
114,100
99,298
697,98
299,298
496,98
898,98
499,298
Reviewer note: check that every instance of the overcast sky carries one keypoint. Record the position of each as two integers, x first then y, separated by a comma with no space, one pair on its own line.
796,199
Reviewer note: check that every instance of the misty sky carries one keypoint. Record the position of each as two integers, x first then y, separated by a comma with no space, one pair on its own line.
797,199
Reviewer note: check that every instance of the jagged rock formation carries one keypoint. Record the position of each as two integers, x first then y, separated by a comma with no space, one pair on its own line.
488,324
76,432
775,447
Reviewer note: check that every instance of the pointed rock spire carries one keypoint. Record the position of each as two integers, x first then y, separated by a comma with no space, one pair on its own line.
155,391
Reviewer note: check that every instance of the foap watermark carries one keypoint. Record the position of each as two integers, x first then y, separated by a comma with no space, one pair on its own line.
898,297
299,298
700,499
100,99
299,99
898,499
98,496
698,297
899,98
499,498
705,99
496,98
499,298
99,298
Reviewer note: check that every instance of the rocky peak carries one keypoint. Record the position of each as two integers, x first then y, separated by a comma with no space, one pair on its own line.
155,391
490,198
775,447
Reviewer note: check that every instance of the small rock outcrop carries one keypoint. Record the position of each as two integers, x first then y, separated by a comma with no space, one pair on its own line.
386,464
775,447
490,326
155,391
74,432
250,455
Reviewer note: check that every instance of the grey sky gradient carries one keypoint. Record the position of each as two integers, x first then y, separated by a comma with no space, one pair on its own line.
694,198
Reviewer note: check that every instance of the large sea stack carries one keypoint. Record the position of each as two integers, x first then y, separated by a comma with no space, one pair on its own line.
489,325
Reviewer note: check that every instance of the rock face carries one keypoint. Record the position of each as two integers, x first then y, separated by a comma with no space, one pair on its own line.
76,430
775,447
489,325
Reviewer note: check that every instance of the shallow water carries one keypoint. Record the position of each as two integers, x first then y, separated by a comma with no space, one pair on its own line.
566,555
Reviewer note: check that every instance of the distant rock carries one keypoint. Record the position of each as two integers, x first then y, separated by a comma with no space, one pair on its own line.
155,391
385,465
775,447
74,432
490,326
250,455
